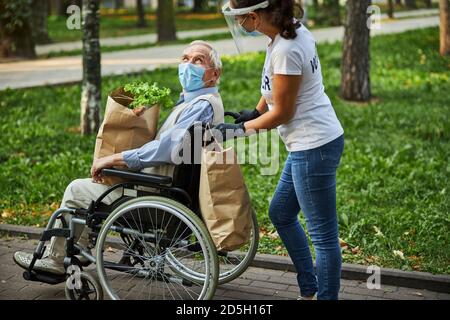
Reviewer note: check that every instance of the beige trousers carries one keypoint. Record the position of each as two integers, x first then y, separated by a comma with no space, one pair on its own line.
78,195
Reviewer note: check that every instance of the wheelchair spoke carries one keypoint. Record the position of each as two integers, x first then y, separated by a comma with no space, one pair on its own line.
140,268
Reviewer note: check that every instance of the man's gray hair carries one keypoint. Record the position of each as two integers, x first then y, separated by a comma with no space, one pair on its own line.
215,57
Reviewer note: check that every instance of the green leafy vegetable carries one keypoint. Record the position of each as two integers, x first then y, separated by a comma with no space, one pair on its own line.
148,95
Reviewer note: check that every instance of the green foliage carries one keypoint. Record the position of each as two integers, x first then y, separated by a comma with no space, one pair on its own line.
148,95
116,26
14,14
392,185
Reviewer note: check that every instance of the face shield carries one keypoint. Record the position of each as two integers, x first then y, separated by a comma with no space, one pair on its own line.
236,17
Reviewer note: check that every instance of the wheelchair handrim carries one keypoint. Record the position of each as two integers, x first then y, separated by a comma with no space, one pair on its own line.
148,204
228,275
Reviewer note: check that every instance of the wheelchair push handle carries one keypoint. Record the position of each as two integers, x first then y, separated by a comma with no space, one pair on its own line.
235,115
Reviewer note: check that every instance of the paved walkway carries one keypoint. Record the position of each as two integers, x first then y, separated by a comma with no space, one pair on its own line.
254,284
69,69
151,38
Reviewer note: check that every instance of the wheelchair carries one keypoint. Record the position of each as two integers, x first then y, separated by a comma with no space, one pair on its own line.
150,243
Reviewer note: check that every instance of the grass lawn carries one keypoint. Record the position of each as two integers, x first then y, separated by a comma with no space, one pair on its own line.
125,25
393,193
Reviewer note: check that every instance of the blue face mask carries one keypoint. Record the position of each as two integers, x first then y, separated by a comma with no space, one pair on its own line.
254,33
191,76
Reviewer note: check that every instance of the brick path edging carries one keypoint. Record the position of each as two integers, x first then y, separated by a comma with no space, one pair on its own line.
408,279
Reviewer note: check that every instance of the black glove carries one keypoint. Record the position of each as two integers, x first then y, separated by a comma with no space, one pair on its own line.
247,115
229,131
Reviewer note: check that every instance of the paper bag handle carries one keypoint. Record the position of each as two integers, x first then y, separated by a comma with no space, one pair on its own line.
208,127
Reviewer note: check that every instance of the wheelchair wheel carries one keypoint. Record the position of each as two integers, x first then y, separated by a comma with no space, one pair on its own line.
137,268
89,288
231,264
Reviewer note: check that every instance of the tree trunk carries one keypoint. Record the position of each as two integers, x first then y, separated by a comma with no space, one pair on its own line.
199,5
142,23
40,14
355,84
444,9
316,4
411,4
166,21
16,36
391,9
219,6
91,86
118,4
332,11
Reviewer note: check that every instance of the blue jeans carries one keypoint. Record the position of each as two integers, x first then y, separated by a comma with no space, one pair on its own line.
308,181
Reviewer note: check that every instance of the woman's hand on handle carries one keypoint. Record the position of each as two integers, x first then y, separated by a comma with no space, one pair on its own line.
247,115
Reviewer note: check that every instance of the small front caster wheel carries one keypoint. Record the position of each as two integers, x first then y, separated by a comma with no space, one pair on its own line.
86,287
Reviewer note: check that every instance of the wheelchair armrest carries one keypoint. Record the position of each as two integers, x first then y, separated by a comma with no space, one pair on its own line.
137,176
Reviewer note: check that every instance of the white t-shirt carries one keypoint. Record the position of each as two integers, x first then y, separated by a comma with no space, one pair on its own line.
315,123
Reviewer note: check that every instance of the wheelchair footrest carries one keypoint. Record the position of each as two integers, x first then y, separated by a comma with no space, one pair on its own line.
44,277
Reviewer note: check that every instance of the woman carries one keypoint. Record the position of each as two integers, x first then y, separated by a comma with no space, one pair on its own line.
294,101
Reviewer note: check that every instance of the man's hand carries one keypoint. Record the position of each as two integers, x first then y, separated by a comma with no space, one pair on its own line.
97,167
230,131
139,111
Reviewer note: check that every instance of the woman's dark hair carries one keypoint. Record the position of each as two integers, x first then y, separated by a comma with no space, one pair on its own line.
281,13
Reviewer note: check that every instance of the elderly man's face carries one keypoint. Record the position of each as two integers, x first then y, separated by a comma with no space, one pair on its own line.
200,56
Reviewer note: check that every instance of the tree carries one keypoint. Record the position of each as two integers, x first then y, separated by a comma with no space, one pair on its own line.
166,21
316,4
391,9
444,9
332,12
40,15
16,36
118,4
200,5
142,23
219,6
91,86
411,4
355,83
59,7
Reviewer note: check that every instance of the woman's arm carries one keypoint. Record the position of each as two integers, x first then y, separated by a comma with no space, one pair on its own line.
285,92
262,105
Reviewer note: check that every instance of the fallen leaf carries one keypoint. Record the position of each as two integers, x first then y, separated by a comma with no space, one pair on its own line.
399,254
273,235
6,214
342,243
355,250
378,232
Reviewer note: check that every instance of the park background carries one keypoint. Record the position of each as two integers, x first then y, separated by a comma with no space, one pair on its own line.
393,195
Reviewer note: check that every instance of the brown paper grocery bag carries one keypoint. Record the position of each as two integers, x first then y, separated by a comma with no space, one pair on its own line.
122,130
224,200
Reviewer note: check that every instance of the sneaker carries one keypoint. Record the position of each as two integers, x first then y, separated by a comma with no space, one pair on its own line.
49,265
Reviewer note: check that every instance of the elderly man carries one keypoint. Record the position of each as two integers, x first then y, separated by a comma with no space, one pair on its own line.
199,73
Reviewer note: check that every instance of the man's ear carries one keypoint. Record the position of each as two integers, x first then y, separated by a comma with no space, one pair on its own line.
217,73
